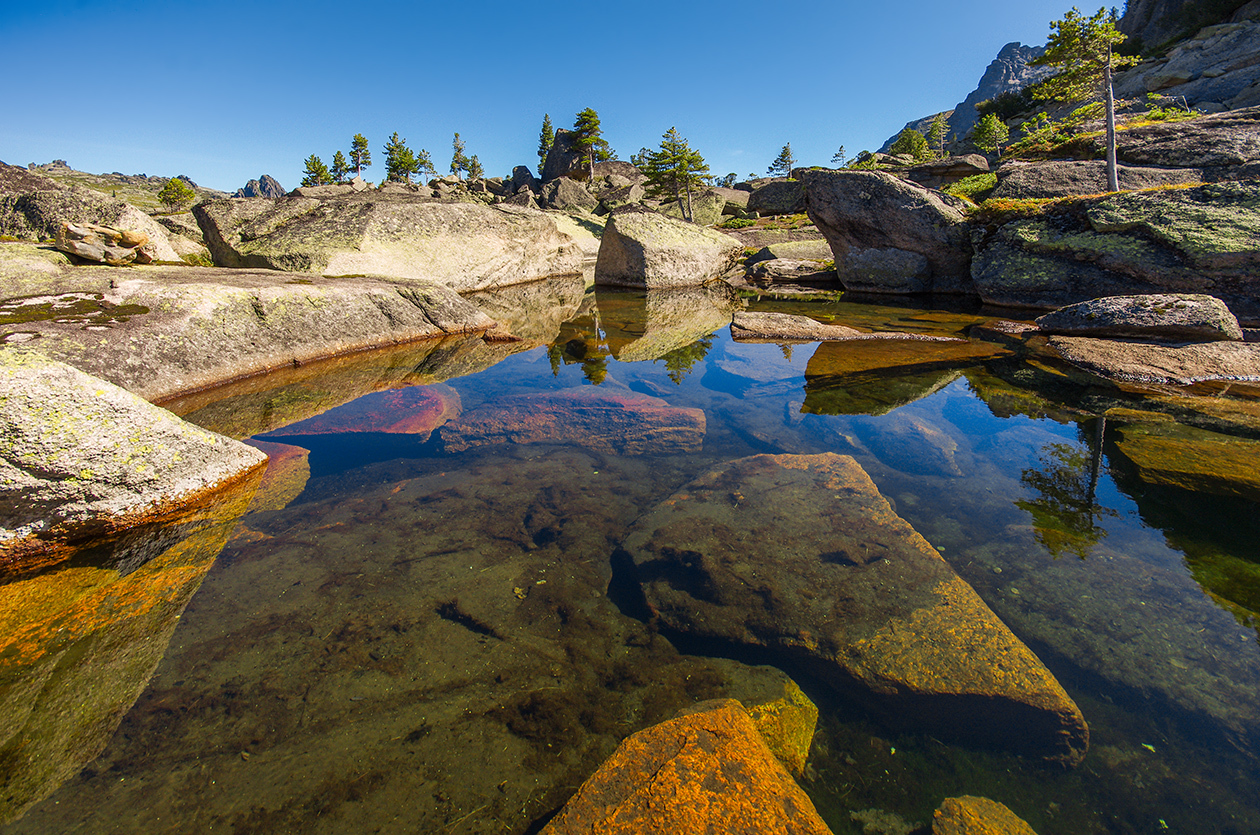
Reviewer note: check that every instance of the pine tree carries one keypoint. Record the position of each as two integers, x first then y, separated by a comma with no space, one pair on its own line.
674,170
546,137
360,156
475,171
316,172
587,140
783,162
339,168
839,157
459,161
176,194
911,143
400,161
936,135
990,133
1082,49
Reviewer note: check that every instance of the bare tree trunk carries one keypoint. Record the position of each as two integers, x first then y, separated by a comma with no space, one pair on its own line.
687,213
1113,178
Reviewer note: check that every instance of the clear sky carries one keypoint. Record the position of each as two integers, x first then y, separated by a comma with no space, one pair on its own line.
228,90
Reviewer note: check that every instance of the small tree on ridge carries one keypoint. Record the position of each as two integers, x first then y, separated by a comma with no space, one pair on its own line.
317,173
360,156
783,162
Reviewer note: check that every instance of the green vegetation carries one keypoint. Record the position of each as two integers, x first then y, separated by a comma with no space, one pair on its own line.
588,142
783,162
459,160
839,158
401,162
176,194
1008,105
990,133
737,223
360,156
1082,49
340,168
911,143
936,135
317,173
974,188
546,138
674,170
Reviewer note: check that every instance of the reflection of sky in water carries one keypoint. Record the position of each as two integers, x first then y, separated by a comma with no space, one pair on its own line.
426,636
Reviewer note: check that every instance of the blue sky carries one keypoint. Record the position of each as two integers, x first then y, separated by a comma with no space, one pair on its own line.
225,91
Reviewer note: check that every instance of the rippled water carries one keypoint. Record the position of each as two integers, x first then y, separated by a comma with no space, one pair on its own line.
402,637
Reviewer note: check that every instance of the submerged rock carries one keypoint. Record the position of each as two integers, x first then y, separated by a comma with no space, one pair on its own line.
415,410
1193,459
1175,316
787,725
620,422
288,470
969,815
707,770
644,249
801,555
748,325
81,457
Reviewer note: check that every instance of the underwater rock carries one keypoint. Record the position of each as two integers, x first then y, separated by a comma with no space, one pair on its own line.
80,457
415,410
780,326
801,555
787,725
619,422
288,470
706,770
969,815
1193,459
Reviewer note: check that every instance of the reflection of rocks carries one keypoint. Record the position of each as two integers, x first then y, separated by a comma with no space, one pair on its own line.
261,404
618,422
415,410
876,376
735,556
79,643
911,444
80,457
969,815
1140,362
288,470
647,326
533,311
1192,459
706,770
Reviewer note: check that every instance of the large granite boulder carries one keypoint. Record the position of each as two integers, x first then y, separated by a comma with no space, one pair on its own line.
81,457
1063,178
777,197
1193,240
616,422
463,245
1216,66
1223,145
1170,316
563,160
568,195
645,249
707,770
102,244
160,331
889,235
941,172
265,186
801,556
789,270
706,208
522,177
818,250
35,208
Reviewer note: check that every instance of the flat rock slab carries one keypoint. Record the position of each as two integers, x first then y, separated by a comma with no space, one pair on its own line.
618,422
705,771
81,457
801,555
1191,317
1142,362
162,331
1193,459
748,325
415,410
969,815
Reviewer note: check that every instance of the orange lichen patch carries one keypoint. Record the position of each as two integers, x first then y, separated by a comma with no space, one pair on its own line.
23,555
969,815
622,423
701,772
788,726
415,410
288,470
1193,459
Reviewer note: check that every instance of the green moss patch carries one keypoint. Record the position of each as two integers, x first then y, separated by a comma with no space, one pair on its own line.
67,308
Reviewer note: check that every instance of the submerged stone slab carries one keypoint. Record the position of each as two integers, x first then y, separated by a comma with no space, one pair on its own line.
415,410
288,470
706,770
801,555
620,422
969,815
81,457
1193,459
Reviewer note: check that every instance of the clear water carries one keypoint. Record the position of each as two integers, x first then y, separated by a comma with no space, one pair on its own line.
425,640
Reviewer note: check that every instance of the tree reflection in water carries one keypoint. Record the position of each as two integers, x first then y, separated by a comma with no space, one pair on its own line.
1066,511
680,361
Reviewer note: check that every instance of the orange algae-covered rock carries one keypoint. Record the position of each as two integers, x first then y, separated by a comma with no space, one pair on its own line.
617,422
288,470
800,554
415,410
969,815
706,770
